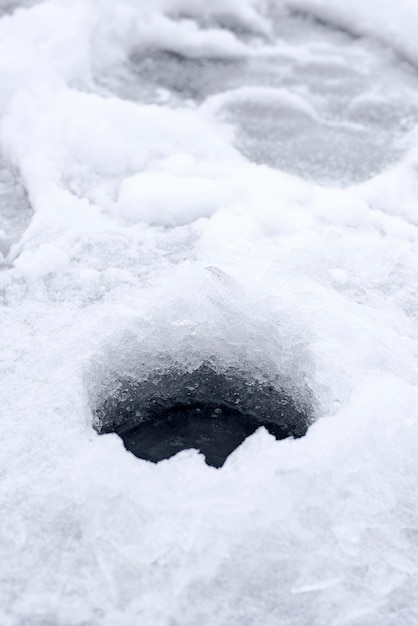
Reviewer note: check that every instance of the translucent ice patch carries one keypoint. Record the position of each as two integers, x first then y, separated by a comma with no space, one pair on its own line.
15,212
314,102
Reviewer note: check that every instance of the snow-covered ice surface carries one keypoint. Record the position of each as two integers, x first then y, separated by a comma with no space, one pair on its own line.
233,182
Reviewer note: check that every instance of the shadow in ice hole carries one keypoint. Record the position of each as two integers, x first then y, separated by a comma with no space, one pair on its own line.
212,411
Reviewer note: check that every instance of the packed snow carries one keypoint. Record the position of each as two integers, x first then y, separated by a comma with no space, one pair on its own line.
232,182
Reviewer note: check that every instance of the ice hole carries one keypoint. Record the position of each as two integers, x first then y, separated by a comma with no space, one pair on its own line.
209,410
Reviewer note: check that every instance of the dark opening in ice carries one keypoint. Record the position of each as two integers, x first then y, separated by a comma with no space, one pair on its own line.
211,411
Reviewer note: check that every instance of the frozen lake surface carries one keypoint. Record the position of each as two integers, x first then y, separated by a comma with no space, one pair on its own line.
209,211
317,103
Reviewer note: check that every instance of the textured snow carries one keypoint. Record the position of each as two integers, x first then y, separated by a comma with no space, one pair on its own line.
148,217
390,21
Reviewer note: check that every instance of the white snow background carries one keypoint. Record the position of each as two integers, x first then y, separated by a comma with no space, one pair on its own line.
266,215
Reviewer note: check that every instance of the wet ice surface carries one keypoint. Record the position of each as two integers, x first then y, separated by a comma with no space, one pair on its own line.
320,104
147,234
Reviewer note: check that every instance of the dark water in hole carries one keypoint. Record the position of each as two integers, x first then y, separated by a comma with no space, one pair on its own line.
213,412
